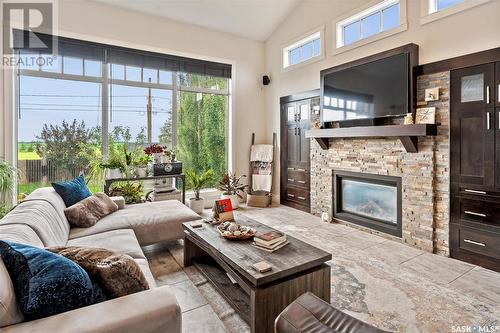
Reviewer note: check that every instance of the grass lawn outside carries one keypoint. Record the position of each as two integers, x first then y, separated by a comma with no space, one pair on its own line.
28,155
30,187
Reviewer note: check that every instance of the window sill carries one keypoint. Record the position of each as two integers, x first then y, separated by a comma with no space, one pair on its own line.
382,35
209,194
451,11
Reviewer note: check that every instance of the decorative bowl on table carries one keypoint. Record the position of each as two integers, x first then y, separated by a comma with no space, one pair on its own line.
235,231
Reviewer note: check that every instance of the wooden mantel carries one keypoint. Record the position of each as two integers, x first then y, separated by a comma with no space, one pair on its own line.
408,134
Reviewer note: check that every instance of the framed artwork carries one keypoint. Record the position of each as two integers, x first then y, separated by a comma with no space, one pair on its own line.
425,116
432,94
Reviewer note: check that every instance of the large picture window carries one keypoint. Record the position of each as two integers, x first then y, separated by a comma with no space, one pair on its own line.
93,101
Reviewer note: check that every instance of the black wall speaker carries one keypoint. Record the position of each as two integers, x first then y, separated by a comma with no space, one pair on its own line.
266,80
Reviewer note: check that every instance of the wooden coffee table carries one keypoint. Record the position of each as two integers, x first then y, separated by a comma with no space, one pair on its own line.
257,297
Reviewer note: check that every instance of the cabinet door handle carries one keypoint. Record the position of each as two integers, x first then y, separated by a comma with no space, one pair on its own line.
474,213
488,120
474,242
290,168
291,195
301,181
290,180
498,93
301,198
474,191
487,94
303,170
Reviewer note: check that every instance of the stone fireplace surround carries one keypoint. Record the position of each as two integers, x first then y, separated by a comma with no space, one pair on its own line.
425,175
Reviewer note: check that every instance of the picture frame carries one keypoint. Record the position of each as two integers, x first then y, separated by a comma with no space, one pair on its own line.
432,94
425,116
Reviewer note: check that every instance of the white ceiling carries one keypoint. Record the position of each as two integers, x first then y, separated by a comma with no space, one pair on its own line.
254,19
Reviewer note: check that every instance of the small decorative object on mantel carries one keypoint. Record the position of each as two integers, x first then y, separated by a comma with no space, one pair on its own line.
432,94
235,231
409,119
425,116
316,124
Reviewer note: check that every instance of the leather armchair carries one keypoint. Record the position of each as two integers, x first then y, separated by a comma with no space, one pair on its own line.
310,314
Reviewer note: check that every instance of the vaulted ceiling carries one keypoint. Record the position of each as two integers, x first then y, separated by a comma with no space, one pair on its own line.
254,19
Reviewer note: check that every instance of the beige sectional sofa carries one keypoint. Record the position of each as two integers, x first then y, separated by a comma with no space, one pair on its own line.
40,221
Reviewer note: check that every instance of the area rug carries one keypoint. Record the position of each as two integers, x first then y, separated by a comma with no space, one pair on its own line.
385,295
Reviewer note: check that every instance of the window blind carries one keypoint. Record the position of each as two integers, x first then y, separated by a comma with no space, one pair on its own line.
130,57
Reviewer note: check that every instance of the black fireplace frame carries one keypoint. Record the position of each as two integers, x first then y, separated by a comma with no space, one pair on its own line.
375,224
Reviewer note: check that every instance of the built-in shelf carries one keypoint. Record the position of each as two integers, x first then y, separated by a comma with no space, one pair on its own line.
408,134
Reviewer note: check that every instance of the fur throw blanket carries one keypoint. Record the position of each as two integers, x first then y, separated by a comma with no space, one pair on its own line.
87,212
118,274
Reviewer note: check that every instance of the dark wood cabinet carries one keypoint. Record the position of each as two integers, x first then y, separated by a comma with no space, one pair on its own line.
475,165
496,88
296,115
471,129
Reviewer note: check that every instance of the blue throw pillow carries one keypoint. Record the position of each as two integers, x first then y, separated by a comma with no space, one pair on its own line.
72,191
47,283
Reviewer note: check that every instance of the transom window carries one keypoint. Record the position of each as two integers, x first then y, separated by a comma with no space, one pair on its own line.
437,5
377,19
303,50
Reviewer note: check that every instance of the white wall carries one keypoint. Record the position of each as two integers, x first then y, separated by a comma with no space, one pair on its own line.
106,24
466,32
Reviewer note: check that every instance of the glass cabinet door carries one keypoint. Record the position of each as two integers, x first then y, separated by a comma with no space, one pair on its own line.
472,127
474,87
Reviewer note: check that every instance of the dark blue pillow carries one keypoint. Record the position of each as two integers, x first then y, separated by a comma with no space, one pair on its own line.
72,191
47,283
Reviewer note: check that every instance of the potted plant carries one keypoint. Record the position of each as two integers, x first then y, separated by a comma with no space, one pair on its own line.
141,165
114,167
8,175
196,182
132,193
230,185
154,150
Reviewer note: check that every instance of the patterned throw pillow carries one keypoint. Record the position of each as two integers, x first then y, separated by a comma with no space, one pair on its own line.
87,212
46,283
118,274
72,191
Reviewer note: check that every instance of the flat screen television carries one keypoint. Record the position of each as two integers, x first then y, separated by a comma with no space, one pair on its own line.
370,90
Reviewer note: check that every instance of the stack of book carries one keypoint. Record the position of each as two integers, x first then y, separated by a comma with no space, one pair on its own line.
164,190
270,241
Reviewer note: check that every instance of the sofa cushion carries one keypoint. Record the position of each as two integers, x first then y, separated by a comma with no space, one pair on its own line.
45,283
152,222
88,211
121,241
144,265
9,310
40,215
19,233
72,191
50,195
118,274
